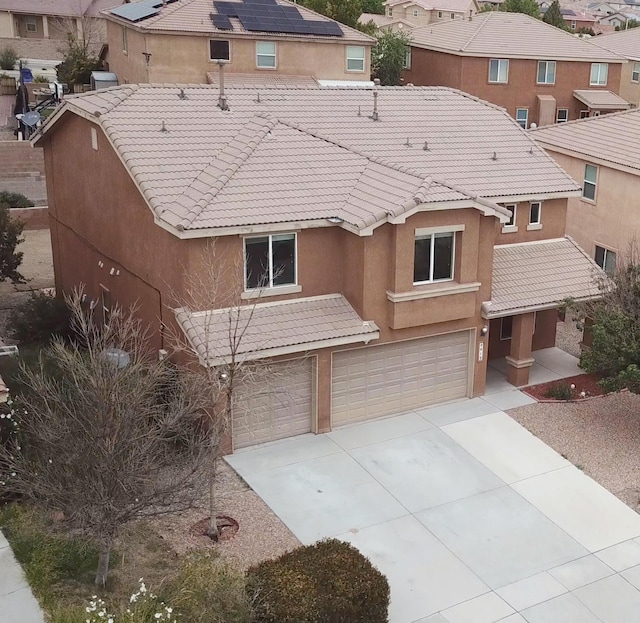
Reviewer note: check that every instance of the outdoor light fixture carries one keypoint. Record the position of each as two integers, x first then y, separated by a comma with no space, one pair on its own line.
223,376
484,330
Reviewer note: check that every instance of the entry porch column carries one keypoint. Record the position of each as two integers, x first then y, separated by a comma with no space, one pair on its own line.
520,359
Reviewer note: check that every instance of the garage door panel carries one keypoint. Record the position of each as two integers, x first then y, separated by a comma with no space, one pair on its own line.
276,407
391,378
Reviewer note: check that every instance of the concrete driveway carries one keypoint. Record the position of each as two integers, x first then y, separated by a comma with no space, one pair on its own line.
471,518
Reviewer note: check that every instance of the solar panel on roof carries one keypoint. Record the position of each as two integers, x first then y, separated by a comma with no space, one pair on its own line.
221,21
267,16
136,11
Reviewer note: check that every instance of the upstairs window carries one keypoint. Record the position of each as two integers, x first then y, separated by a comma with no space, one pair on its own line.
355,58
522,117
266,54
415,12
562,115
546,72
511,223
590,182
439,14
32,24
606,259
407,58
635,72
499,70
535,213
433,257
125,45
219,50
270,261
599,73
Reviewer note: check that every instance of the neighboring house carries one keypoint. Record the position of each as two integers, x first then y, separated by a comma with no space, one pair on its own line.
392,240
619,19
577,20
603,156
626,43
422,12
184,41
539,73
385,23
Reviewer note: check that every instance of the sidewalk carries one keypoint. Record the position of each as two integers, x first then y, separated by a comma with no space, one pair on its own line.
18,603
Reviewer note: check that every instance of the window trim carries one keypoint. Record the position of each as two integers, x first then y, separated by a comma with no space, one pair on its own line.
597,83
585,181
31,20
274,55
635,70
432,235
453,15
352,58
606,251
407,58
537,224
546,73
439,14
573,25
228,42
499,61
526,118
416,13
125,40
513,227
270,288
558,120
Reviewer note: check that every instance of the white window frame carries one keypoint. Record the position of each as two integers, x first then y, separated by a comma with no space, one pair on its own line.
606,253
407,58
228,42
270,285
520,119
547,66
31,20
511,226
439,14
584,114
635,72
432,246
125,40
415,13
558,120
266,55
595,78
356,49
586,182
390,12
453,15
500,63
538,221
573,25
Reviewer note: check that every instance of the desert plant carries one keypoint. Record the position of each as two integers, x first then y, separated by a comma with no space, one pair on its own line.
40,79
10,238
40,318
8,58
560,391
15,200
328,582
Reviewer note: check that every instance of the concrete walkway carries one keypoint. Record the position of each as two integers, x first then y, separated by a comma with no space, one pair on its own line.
471,518
17,603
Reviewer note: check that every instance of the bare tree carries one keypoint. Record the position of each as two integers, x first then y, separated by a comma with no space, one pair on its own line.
109,434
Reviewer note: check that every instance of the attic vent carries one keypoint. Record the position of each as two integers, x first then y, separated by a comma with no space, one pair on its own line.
94,139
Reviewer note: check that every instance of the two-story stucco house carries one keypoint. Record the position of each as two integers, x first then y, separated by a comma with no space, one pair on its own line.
385,243
184,41
602,155
539,73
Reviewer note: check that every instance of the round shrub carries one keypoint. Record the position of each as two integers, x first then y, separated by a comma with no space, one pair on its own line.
328,582
15,200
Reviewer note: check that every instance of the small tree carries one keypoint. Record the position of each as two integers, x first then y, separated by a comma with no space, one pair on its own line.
8,59
373,6
10,238
388,57
553,16
528,7
109,434
630,23
82,40
344,11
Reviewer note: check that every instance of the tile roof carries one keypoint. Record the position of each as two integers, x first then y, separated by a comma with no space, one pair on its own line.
317,151
237,80
507,35
383,20
540,275
612,138
602,100
624,42
271,329
194,16
58,7
431,5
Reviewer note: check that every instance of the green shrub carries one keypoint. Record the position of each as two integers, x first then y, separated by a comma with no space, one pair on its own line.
15,200
328,582
208,590
560,391
8,58
39,318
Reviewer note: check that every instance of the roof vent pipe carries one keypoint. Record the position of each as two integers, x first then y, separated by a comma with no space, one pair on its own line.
222,98
375,116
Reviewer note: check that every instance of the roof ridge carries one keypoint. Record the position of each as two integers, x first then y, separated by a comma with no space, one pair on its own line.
246,141
477,30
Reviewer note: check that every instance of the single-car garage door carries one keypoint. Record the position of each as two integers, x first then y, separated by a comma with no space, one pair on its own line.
382,380
279,404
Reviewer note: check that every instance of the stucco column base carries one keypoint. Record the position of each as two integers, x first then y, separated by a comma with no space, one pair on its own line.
518,372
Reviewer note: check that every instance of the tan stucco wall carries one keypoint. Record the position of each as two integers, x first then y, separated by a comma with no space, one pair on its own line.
553,220
429,16
613,220
629,90
185,58
6,24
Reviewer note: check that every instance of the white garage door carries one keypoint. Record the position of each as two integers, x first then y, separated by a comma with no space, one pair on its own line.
276,406
392,378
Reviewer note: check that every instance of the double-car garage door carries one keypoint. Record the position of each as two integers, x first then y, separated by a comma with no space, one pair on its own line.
391,378
367,383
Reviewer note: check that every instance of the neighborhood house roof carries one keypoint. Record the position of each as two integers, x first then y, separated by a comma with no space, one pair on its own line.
624,42
539,275
601,100
612,138
507,35
272,329
381,21
293,155
431,5
62,8
196,16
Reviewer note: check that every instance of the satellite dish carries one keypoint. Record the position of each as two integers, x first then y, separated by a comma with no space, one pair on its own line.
31,118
